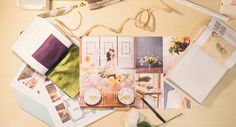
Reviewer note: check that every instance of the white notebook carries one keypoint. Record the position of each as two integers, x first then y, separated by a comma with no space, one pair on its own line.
205,62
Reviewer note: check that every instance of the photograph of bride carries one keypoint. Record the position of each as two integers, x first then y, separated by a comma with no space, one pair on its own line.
107,72
111,63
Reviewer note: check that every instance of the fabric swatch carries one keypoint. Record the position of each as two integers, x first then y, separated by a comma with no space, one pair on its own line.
50,52
67,73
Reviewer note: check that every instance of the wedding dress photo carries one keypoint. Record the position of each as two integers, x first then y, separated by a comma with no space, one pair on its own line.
111,62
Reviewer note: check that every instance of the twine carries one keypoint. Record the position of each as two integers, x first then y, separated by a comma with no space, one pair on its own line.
139,20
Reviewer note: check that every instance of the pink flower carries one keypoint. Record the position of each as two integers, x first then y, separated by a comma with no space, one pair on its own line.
186,39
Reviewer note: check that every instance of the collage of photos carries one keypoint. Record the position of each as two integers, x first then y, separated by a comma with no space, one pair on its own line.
149,68
118,71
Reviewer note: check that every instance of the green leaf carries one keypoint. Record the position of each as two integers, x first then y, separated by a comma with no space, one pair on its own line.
143,124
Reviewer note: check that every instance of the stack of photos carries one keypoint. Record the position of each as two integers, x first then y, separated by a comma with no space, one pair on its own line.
117,71
62,109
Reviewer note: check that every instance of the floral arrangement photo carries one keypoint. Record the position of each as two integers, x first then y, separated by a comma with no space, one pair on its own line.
151,60
179,44
144,79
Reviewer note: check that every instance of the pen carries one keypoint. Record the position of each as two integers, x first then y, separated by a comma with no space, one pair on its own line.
154,111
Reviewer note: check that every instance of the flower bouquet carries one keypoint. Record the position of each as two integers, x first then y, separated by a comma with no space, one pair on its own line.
150,60
136,119
144,79
179,44
117,79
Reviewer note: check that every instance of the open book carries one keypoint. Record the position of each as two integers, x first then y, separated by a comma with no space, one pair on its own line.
49,51
205,62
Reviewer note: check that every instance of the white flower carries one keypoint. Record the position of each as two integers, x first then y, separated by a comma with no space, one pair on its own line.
133,118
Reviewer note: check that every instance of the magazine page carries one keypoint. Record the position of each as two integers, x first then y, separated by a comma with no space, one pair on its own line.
219,41
26,86
173,48
41,45
149,70
103,83
110,64
45,48
150,84
63,110
67,112
28,79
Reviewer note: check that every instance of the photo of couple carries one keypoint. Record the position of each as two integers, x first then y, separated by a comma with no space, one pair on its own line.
110,66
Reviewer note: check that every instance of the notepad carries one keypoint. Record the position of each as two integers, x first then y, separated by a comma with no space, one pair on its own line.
205,62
